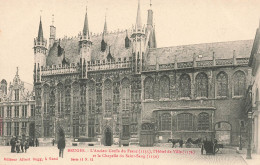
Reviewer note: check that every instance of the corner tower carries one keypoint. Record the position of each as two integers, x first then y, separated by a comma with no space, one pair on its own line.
138,38
40,53
85,45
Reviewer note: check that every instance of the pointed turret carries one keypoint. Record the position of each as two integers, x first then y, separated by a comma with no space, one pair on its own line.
138,17
150,16
86,27
103,43
85,45
40,50
40,32
52,33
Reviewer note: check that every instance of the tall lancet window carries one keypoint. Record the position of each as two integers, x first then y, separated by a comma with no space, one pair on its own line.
185,85
91,97
239,83
67,96
60,98
201,85
149,88
46,91
75,88
165,87
222,84
125,95
108,93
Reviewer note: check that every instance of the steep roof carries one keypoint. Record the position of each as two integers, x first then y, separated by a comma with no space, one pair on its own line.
116,41
184,53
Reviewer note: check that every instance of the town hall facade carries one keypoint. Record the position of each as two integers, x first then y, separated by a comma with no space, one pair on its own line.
118,87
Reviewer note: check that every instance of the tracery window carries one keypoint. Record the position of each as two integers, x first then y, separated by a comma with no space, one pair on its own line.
165,122
222,84
148,88
125,95
75,88
116,97
203,121
165,87
99,97
185,85
201,85
46,99
83,98
108,97
67,98
239,83
91,97
60,97
185,122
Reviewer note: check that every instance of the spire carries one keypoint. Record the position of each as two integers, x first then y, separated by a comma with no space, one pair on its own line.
138,17
150,15
86,28
40,31
52,19
105,28
17,71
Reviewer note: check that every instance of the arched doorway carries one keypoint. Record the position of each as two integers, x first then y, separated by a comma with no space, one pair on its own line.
108,137
223,132
147,135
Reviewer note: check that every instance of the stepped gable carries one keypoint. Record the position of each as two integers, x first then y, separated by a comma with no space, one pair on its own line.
115,40
184,53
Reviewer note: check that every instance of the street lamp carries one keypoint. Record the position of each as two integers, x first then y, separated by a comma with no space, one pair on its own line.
248,154
240,143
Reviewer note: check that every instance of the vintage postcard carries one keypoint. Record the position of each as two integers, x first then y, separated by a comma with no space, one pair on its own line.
129,82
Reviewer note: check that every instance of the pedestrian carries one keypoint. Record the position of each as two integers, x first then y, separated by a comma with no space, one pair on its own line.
61,146
12,143
181,143
53,141
22,145
36,142
18,144
26,145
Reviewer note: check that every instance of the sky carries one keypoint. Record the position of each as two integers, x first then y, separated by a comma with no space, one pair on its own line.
177,22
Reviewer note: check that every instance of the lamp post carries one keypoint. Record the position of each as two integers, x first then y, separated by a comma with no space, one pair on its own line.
240,143
248,154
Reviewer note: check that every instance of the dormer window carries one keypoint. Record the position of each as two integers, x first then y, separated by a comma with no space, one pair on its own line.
16,94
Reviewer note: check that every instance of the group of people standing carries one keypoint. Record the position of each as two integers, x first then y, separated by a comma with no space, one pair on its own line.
18,145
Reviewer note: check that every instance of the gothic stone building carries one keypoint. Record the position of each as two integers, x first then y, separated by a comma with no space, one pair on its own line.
17,110
118,87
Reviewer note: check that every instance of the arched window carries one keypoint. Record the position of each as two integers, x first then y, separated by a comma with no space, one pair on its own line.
91,97
46,91
165,87
67,96
201,85
60,97
148,88
185,85
125,95
108,92
203,121
116,97
222,84
239,82
185,121
75,88
165,122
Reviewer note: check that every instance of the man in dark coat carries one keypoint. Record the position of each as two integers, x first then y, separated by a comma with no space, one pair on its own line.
61,146
12,143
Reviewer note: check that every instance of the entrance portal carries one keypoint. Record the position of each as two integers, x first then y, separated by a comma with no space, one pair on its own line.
108,137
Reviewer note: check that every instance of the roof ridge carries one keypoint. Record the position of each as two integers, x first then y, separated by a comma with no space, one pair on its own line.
203,43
